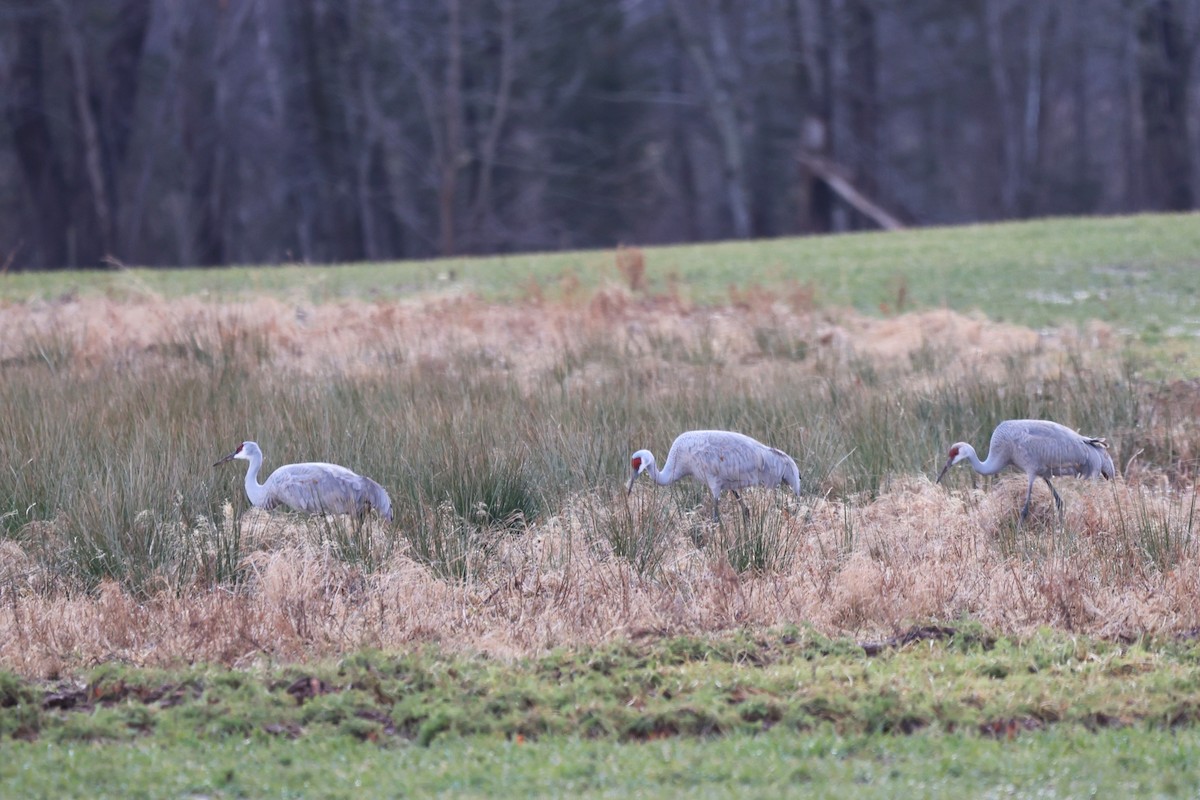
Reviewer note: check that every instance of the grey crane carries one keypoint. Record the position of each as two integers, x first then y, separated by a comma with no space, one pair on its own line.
721,460
1040,449
314,487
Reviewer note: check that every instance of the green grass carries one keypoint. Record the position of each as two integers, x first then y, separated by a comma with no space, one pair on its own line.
1123,763
786,712
1136,273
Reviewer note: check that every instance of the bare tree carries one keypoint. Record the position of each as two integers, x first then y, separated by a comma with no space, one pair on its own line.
1165,50
452,120
812,29
267,130
39,159
862,92
1016,33
708,45
481,208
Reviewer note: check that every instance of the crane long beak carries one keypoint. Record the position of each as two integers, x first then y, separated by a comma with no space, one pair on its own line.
949,462
632,478
226,458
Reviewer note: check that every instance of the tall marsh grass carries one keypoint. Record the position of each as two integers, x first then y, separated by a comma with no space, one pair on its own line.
1158,529
762,541
107,455
639,527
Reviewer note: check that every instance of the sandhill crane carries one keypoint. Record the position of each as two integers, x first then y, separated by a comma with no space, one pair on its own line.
315,487
1040,449
721,460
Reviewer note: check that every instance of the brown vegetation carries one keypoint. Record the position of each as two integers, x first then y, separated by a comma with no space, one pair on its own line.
1123,563
355,336
916,554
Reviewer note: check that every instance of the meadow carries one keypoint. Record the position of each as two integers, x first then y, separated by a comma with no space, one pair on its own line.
498,401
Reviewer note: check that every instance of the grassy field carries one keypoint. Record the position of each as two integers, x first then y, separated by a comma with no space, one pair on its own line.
1071,763
779,713
526,626
1135,273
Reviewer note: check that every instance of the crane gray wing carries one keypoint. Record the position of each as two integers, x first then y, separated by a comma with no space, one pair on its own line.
315,488
742,461
1058,450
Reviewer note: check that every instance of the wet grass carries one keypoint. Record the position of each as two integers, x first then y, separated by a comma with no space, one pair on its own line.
958,713
1073,763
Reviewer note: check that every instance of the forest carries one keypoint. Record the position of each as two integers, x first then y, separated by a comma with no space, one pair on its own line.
164,133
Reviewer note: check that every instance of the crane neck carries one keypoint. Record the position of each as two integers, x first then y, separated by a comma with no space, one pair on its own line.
665,475
255,490
991,466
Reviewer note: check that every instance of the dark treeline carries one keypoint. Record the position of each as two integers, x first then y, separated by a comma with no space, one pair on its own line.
187,132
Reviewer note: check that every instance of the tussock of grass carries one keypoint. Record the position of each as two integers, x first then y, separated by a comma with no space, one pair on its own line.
637,528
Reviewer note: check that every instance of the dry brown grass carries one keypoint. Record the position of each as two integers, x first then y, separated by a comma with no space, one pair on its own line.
631,264
918,552
357,336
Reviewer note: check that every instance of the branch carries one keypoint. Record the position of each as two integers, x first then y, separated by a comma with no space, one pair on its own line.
838,179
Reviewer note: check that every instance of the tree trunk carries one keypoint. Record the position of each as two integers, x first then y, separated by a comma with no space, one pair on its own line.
811,27
482,211
92,157
711,60
324,36
862,57
1164,63
1081,199
994,12
40,163
452,111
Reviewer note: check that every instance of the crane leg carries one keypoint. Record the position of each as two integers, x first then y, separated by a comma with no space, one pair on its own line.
1058,501
1028,499
716,511
745,508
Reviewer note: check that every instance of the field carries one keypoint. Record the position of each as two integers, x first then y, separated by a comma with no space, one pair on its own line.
524,615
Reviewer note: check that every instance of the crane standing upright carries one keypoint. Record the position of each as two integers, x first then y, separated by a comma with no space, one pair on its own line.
1040,449
314,487
723,460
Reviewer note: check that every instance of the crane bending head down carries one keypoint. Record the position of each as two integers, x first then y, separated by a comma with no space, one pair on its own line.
1041,449
722,460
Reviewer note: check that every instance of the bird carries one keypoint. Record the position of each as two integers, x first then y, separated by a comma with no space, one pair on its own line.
1041,449
314,487
721,460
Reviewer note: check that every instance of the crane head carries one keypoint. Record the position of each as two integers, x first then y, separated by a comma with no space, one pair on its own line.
957,453
243,451
791,476
639,462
